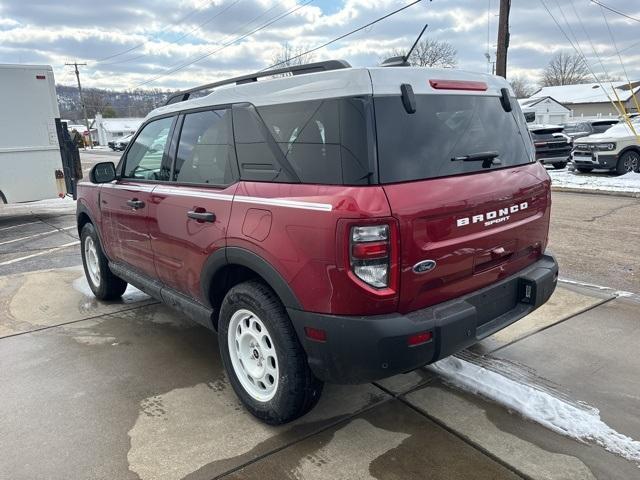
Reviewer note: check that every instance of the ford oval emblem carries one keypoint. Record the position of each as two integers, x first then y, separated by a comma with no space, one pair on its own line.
424,266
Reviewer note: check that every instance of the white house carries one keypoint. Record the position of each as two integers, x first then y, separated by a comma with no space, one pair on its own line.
110,129
591,99
547,110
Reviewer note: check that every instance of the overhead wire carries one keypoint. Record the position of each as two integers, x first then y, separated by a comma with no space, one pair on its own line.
181,66
314,49
181,37
579,54
166,27
615,46
616,11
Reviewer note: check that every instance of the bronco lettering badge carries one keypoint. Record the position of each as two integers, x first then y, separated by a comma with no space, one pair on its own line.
492,217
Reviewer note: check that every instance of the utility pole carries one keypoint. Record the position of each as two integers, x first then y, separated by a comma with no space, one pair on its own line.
503,38
84,108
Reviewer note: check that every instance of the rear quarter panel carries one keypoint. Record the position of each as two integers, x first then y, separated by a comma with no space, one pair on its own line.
305,245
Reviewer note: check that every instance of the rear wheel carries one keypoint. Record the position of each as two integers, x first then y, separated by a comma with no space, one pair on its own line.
560,165
584,169
628,162
266,364
103,283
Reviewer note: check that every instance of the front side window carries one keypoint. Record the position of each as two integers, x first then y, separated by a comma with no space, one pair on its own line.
205,149
144,158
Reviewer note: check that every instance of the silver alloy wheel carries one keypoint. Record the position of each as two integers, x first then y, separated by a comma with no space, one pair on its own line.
632,161
91,260
253,355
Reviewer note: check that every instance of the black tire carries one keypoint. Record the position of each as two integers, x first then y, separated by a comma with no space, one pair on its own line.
584,169
109,286
559,166
628,162
298,390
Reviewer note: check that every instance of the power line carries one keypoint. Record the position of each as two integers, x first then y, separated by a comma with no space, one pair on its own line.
135,47
181,37
341,36
613,40
228,44
580,55
616,11
586,32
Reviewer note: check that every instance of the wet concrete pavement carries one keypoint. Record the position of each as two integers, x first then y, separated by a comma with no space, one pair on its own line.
131,389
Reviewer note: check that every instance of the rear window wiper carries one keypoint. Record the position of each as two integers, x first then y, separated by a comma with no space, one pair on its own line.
487,158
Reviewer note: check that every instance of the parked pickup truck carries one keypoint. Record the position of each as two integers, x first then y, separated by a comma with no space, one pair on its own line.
616,150
336,224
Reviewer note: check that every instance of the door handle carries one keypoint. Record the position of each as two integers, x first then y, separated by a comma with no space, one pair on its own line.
202,216
135,203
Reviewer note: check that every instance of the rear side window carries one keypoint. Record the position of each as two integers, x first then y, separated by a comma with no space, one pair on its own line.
321,141
145,157
205,149
424,144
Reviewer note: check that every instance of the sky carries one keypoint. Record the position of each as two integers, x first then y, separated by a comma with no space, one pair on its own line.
173,44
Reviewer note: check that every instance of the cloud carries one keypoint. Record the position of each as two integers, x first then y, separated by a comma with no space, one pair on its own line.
125,43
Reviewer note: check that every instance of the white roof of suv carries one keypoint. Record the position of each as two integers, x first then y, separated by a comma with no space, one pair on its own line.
343,82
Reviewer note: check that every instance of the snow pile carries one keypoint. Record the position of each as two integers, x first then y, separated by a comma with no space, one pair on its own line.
579,421
629,182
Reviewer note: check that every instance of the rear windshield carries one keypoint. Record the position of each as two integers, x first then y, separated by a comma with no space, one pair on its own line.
445,127
576,127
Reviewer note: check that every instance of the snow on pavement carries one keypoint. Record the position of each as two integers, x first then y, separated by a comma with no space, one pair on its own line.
629,182
572,419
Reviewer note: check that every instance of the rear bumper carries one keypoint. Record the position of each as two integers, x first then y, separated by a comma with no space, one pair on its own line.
363,349
552,160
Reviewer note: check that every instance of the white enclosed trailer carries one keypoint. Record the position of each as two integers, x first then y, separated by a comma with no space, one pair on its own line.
31,160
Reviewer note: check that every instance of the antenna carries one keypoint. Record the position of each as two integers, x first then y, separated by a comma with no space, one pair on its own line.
403,61
406,57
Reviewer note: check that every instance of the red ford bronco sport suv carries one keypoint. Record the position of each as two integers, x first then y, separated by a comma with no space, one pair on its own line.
335,224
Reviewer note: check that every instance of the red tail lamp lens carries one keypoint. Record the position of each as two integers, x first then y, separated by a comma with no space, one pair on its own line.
315,334
458,85
419,338
370,250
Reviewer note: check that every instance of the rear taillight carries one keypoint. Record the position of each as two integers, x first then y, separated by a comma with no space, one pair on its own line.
370,254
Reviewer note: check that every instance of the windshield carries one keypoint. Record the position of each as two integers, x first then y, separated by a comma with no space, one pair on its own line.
576,127
445,128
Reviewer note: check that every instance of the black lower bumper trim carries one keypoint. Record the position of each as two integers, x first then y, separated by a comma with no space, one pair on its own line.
367,348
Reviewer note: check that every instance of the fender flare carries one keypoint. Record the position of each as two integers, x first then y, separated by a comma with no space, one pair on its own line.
226,256
81,208
634,148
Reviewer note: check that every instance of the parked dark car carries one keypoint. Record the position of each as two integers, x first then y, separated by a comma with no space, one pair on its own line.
120,144
553,147
587,127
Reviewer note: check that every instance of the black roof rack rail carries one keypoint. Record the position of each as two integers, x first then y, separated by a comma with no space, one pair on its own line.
253,77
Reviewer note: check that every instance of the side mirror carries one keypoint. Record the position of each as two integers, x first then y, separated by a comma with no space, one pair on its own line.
103,172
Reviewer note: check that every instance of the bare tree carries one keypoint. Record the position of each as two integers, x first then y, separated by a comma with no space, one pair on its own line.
95,101
565,69
521,86
430,53
289,56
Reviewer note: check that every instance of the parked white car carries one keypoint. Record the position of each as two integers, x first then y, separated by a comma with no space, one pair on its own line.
617,150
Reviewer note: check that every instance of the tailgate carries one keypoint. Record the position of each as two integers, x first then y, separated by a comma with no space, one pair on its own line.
477,228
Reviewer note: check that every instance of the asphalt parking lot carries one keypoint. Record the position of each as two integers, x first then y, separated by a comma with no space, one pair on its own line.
131,389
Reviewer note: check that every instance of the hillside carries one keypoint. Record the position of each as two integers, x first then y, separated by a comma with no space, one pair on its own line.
111,103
